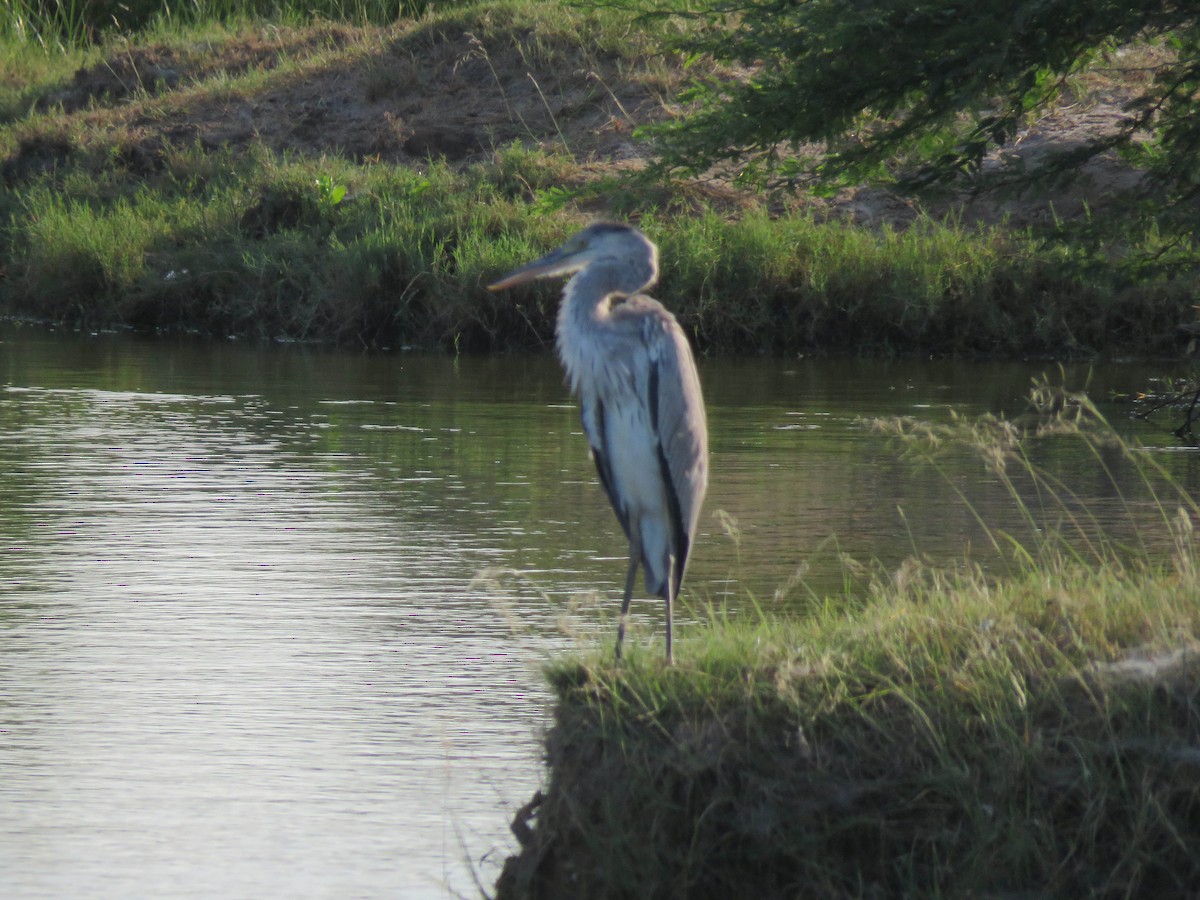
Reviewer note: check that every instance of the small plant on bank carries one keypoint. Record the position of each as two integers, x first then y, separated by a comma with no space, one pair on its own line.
329,193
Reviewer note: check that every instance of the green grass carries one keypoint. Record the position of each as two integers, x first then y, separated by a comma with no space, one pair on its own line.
946,733
68,24
267,252
225,243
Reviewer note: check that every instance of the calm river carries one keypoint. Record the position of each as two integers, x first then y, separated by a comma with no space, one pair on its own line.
245,650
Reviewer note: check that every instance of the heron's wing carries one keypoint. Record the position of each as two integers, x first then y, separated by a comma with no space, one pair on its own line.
593,413
677,415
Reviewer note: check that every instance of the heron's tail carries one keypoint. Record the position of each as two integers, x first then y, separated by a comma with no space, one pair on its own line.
661,555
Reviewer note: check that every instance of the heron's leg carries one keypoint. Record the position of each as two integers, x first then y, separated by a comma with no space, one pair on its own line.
635,557
671,588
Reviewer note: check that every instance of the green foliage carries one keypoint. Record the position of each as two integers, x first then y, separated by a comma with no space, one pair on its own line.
917,93
937,84
329,194
113,214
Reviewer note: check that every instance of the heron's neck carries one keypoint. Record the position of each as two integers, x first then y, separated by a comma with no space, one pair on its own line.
588,296
583,317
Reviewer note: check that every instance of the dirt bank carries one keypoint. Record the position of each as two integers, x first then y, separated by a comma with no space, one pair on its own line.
457,87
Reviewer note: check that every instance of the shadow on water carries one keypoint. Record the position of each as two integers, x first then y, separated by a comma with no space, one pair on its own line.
241,647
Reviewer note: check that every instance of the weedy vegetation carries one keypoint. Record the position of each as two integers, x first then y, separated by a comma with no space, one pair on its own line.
1027,731
354,173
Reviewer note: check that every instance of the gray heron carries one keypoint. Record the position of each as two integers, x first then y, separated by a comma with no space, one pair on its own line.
629,362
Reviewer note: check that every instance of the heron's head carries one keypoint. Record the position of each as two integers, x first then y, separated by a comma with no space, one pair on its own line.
631,253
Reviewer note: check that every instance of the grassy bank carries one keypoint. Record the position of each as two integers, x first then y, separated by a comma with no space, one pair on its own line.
950,733
359,183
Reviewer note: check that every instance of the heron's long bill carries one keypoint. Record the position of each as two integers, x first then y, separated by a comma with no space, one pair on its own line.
556,262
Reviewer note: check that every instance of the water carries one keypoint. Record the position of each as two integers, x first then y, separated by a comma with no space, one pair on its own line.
244,650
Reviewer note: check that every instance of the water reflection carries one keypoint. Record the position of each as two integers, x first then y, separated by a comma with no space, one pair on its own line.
236,662
241,647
